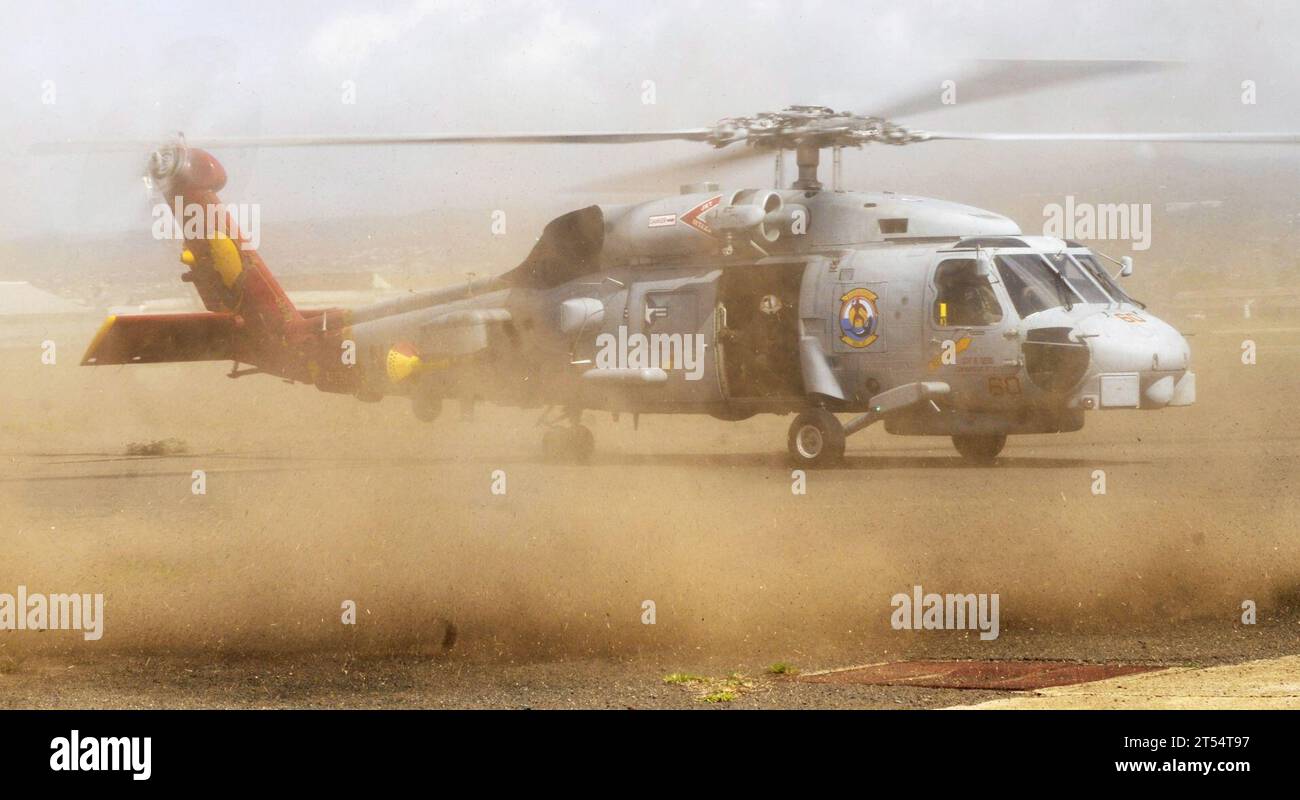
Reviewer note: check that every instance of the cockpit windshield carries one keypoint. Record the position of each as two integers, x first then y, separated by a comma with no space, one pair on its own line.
1077,278
1032,284
1089,262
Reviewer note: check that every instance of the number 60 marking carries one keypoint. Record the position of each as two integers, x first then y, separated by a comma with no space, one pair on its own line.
1004,386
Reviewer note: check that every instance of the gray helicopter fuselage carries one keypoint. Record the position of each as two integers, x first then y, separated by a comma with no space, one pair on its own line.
735,303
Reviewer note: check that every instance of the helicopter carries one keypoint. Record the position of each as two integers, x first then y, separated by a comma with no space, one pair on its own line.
931,317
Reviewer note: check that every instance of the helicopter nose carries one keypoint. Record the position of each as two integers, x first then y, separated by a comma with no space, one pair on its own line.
1139,361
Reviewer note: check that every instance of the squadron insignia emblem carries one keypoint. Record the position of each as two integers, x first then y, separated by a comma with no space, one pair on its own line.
858,318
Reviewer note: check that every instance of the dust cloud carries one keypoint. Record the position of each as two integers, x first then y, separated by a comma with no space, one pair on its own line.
313,500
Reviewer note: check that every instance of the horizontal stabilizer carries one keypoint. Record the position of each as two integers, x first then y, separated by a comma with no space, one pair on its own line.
156,338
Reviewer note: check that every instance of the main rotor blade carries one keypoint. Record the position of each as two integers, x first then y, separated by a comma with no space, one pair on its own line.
695,168
993,79
599,137
1193,138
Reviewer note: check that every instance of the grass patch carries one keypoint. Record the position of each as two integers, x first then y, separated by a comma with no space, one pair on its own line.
713,690
683,679
158,447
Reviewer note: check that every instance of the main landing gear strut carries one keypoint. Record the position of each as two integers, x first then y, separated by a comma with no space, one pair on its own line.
817,438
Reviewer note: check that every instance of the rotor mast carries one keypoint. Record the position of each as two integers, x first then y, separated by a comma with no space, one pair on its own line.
808,157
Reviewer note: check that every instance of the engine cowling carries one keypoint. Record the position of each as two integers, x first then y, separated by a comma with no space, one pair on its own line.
700,223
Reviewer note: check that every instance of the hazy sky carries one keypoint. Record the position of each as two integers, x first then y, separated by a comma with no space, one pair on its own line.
125,70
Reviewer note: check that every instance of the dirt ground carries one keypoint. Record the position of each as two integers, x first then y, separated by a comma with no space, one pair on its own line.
535,598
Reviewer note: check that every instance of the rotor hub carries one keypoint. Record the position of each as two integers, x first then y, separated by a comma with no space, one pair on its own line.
808,130
811,126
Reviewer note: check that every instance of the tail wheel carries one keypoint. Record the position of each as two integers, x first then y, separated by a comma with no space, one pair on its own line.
816,438
979,448
575,443
584,443
426,406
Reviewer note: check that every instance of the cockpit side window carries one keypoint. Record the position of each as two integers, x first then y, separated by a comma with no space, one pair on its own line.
962,296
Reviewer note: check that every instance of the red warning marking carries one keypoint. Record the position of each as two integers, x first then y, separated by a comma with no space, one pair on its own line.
692,217
1007,675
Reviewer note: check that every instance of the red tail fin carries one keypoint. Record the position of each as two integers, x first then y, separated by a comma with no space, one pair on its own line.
251,319
225,269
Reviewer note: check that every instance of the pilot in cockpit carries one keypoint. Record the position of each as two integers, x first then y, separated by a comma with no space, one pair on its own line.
964,297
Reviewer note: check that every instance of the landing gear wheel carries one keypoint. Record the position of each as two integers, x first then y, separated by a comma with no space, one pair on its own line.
575,443
979,448
426,407
553,444
816,438
584,442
